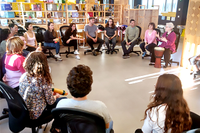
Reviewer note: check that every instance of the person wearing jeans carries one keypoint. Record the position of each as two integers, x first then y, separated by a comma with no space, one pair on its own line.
91,33
110,33
131,35
50,39
149,42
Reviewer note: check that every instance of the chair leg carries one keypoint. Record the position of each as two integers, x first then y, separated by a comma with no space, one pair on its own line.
33,130
4,116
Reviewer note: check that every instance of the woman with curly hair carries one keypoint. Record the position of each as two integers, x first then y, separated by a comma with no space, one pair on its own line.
36,86
168,112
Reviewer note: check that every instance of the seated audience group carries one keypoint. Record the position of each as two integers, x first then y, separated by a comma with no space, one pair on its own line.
30,76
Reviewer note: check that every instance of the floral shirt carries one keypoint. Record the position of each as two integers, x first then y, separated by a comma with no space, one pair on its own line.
35,94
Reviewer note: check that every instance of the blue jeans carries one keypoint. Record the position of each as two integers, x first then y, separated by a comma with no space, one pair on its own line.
110,127
54,45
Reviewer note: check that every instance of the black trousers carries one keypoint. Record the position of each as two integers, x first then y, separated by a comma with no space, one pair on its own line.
91,42
72,43
150,48
127,51
167,56
30,49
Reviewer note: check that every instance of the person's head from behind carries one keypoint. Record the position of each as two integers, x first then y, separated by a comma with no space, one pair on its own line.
169,92
169,27
151,26
91,20
50,26
29,26
13,28
4,34
14,45
72,26
79,81
36,65
132,22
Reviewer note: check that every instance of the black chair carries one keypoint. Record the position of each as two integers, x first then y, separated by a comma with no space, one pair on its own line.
21,32
18,113
63,29
78,121
176,43
40,39
35,28
158,32
20,28
138,42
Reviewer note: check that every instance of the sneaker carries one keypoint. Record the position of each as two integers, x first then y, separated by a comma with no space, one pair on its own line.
76,52
57,56
152,63
144,54
77,57
59,59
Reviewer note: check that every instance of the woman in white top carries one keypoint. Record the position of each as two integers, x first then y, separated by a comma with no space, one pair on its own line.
168,112
30,38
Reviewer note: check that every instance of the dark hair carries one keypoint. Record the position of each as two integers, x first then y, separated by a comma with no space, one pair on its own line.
53,32
69,30
113,24
132,20
79,81
12,25
36,66
27,25
91,18
153,24
4,33
168,91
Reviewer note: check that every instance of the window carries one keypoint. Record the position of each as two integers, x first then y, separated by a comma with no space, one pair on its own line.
174,7
161,4
168,6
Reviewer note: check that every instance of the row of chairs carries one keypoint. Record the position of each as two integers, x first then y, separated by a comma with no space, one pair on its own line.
72,119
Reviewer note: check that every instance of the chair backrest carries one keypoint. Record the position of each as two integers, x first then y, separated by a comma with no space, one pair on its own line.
177,39
158,31
18,112
63,29
35,28
21,32
79,121
20,28
40,34
140,30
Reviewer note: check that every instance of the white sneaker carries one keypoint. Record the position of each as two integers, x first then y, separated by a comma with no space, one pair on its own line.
59,59
57,56
76,52
77,57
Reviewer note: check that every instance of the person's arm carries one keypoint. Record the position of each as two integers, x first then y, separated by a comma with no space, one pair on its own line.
126,34
115,33
136,35
105,34
19,64
26,39
50,99
171,40
35,42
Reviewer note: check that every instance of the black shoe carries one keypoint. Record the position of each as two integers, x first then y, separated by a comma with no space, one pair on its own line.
152,63
108,51
94,52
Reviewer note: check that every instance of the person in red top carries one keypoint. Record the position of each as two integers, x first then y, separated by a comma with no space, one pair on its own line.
14,62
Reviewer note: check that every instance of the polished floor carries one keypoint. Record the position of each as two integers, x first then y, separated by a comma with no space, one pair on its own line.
124,85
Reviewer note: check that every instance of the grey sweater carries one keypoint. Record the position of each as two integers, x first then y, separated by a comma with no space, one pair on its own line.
131,33
2,48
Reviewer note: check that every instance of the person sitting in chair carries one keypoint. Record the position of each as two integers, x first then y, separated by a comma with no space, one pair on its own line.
168,42
13,29
131,35
91,33
79,83
149,42
71,39
50,40
110,33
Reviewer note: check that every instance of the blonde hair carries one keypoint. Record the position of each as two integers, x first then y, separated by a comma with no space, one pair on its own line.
14,45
